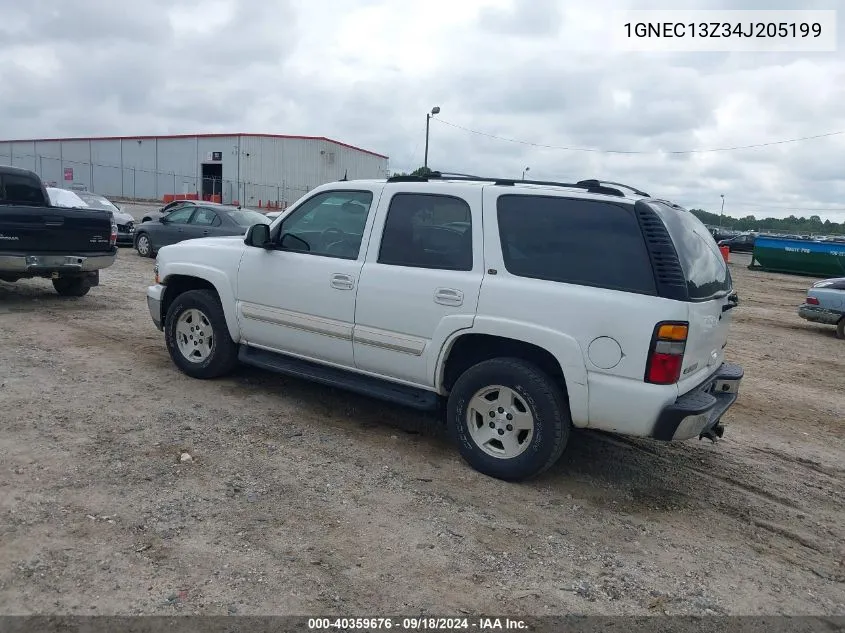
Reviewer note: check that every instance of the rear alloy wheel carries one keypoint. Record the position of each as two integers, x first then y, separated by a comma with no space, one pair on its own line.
840,328
144,246
510,420
197,336
72,286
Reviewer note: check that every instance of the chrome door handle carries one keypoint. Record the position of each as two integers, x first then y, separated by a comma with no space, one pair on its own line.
343,282
448,296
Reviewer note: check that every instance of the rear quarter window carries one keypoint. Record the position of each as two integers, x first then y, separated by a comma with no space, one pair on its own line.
584,242
705,270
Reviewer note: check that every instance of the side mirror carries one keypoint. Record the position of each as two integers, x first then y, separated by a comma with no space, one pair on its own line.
163,219
258,236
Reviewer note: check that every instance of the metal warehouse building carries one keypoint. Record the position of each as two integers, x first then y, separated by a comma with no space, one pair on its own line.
251,169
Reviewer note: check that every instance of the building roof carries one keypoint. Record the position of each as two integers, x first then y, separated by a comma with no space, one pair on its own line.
176,136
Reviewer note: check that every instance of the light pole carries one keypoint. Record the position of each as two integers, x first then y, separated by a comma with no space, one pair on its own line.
434,110
525,170
722,212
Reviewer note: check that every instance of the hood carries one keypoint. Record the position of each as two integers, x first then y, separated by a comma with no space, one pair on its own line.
826,283
122,217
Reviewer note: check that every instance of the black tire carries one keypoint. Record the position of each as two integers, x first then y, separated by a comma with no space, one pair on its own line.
145,248
72,286
840,329
224,351
544,399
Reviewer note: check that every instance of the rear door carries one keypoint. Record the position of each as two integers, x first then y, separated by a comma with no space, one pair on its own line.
420,282
28,224
709,284
204,223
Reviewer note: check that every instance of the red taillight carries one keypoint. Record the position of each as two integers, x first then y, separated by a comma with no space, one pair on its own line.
666,355
113,236
812,301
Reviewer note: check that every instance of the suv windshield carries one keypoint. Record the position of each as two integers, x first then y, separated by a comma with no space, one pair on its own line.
244,217
706,272
96,202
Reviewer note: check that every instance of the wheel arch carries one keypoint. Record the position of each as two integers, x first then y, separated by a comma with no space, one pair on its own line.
558,355
181,279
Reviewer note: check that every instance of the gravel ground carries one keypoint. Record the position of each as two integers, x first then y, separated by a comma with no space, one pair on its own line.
305,500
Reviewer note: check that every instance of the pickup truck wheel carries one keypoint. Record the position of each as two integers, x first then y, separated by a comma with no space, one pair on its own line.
840,328
197,336
144,246
510,420
72,286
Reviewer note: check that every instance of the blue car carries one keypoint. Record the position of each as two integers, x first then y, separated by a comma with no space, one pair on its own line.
825,303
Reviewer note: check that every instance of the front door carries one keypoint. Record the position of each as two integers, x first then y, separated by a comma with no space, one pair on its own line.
175,227
299,297
420,282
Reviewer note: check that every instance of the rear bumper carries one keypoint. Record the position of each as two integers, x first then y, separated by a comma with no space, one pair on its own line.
817,314
155,294
702,408
47,263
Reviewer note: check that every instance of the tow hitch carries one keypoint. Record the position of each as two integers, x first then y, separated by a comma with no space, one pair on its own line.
715,431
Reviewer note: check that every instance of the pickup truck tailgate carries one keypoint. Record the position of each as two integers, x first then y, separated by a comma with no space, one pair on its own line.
54,229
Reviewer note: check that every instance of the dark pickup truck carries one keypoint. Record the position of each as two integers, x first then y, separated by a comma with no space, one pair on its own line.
68,245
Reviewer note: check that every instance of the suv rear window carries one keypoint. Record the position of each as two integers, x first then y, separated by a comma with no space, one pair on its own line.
585,242
705,270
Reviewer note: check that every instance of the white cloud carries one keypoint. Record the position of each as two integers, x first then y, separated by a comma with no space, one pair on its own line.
367,71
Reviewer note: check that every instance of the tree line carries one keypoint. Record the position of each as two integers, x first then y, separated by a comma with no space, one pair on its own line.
813,225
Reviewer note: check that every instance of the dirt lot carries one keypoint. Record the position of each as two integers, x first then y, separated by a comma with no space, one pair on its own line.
305,500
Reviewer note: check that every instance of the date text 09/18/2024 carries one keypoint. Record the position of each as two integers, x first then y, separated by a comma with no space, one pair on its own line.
481,624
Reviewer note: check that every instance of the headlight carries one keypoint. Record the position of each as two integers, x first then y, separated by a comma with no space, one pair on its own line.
155,270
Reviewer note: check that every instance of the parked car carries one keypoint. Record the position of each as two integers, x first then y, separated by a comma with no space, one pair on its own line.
825,303
272,215
41,238
125,222
193,221
487,296
740,244
150,216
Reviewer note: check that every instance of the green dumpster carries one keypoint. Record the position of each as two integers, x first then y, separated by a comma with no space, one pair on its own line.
798,257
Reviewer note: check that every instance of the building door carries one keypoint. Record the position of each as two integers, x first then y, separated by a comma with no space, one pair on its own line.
212,182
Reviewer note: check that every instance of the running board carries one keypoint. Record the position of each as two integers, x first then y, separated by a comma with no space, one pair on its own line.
339,378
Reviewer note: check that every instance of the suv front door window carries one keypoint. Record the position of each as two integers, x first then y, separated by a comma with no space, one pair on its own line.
330,224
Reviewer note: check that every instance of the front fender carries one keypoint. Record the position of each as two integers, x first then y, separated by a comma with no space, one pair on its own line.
222,283
564,348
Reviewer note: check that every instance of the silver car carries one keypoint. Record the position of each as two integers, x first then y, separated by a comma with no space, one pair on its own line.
125,222
825,303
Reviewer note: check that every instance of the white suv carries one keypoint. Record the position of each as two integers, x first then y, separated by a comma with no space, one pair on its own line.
525,307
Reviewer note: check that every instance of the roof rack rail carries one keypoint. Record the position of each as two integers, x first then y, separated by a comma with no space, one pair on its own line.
593,181
407,178
591,186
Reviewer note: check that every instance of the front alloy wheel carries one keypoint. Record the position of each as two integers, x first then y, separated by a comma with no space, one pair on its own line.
197,336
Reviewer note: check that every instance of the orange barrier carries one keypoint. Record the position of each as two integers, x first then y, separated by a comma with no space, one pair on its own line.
726,253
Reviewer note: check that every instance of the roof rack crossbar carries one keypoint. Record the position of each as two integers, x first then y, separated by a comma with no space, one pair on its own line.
591,186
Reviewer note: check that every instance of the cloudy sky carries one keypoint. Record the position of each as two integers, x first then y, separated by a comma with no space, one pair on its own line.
366,72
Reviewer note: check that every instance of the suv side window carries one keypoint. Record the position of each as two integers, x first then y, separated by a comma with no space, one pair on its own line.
584,242
205,217
17,189
427,231
180,216
329,224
